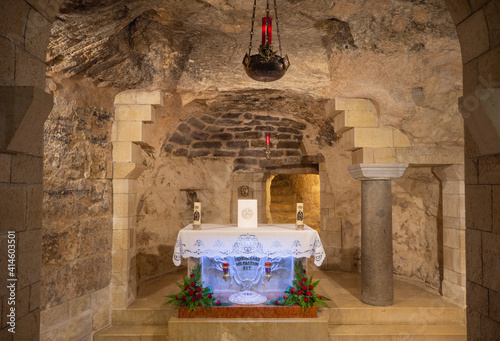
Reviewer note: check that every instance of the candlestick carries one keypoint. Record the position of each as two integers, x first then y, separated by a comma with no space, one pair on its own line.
197,216
268,270
225,270
299,224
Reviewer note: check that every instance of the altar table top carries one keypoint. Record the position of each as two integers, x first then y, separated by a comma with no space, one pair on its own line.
266,240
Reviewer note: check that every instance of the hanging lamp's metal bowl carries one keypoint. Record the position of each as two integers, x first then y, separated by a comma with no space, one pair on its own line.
265,70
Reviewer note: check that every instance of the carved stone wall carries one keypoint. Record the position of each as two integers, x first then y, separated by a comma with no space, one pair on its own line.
77,226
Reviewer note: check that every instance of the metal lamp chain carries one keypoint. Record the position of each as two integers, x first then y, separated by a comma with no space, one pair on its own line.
277,26
251,31
267,20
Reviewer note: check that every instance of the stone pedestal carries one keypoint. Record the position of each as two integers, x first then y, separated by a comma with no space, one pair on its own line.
376,230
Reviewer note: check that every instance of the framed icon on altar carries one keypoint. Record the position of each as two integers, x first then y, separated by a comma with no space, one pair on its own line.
247,213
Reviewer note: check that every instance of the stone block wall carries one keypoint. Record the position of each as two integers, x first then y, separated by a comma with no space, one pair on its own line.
482,193
240,136
21,213
77,228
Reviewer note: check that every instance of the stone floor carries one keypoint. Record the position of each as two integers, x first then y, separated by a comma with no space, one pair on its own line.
416,315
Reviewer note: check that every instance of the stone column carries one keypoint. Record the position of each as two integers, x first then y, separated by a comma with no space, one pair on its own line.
376,230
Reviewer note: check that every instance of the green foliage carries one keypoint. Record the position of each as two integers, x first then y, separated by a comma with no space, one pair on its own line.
302,290
192,294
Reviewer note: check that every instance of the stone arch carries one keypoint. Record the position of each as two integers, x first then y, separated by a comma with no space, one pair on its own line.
24,35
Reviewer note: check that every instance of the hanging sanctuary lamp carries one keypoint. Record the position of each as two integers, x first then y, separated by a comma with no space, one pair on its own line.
267,65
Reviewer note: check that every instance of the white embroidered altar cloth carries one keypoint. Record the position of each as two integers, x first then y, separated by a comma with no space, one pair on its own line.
266,240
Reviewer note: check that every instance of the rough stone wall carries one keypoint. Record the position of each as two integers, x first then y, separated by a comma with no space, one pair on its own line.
418,227
289,189
77,227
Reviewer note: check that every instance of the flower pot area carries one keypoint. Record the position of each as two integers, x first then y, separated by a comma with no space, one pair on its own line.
250,311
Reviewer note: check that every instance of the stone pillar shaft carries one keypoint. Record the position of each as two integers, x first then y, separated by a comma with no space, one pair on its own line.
376,230
376,243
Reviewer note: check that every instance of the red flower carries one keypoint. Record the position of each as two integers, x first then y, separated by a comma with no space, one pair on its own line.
176,297
285,297
320,297
277,302
309,293
311,287
209,295
299,292
193,298
306,299
304,272
301,284
218,302
192,275
198,289
191,292
304,288
193,284
186,287
304,279
292,290
198,296
184,299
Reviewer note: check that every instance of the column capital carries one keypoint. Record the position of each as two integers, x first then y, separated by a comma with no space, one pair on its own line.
369,171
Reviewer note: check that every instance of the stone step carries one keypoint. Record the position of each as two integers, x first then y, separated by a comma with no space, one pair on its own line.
133,333
146,316
283,207
412,332
447,315
284,199
188,329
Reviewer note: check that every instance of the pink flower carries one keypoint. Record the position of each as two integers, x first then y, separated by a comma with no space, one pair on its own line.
311,287
285,297
320,297
292,290
301,284
309,293
192,276
299,292
191,292
304,288
304,279
218,302
304,272
277,302
184,299
209,295
198,296
198,289
193,298
306,299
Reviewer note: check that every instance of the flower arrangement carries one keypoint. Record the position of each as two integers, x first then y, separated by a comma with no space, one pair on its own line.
193,294
302,291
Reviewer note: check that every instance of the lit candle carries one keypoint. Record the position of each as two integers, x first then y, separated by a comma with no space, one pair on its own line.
267,29
268,139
